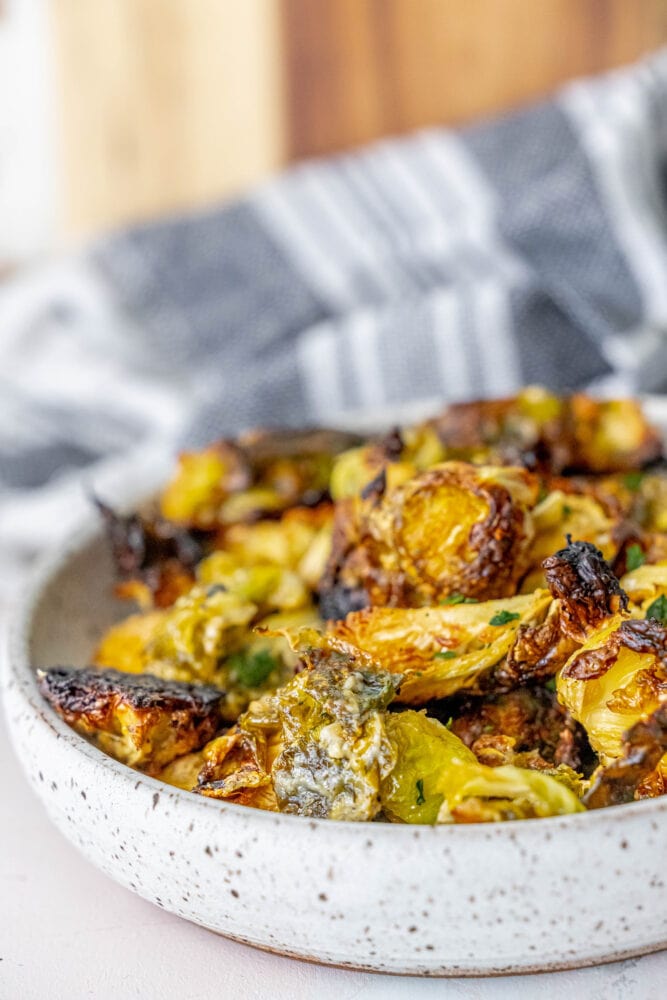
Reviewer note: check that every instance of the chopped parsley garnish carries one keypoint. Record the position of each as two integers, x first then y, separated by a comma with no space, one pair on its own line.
658,610
551,685
488,728
448,724
567,510
459,599
503,617
634,557
444,654
633,480
420,792
251,668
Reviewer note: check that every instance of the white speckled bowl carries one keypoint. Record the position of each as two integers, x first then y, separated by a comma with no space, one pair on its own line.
459,900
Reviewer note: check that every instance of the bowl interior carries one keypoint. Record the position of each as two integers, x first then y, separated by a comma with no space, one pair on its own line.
75,607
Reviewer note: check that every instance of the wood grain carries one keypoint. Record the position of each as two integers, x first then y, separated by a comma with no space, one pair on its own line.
359,69
164,104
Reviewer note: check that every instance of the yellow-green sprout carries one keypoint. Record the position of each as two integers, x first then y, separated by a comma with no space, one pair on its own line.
437,779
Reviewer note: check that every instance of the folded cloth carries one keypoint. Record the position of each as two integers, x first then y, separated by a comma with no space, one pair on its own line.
447,264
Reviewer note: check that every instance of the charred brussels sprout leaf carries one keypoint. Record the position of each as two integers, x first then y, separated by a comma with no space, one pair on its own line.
586,587
319,743
143,721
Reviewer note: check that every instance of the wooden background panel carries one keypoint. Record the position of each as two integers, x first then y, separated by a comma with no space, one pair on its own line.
359,69
164,104
169,104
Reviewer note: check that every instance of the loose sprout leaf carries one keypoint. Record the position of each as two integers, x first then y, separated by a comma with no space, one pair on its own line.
406,641
336,750
454,529
139,719
253,581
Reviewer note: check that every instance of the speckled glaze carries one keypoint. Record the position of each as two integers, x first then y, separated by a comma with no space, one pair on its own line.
437,901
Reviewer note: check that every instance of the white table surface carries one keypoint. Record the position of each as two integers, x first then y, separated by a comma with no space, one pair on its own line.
68,932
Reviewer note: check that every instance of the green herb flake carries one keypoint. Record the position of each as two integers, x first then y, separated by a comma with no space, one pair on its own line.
658,610
459,599
420,792
567,510
634,557
488,728
633,480
445,654
503,617
251,668
551,685
449,723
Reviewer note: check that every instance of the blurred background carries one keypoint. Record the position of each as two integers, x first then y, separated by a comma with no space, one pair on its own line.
507,232
115,111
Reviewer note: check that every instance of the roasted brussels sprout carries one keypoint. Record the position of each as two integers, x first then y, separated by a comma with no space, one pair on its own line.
299,541
263,472
392,459
124,646
143,721
552,434
522,430
610,435
437,779
455,528
237,767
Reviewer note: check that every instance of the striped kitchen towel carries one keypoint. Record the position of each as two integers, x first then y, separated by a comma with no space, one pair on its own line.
446,264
